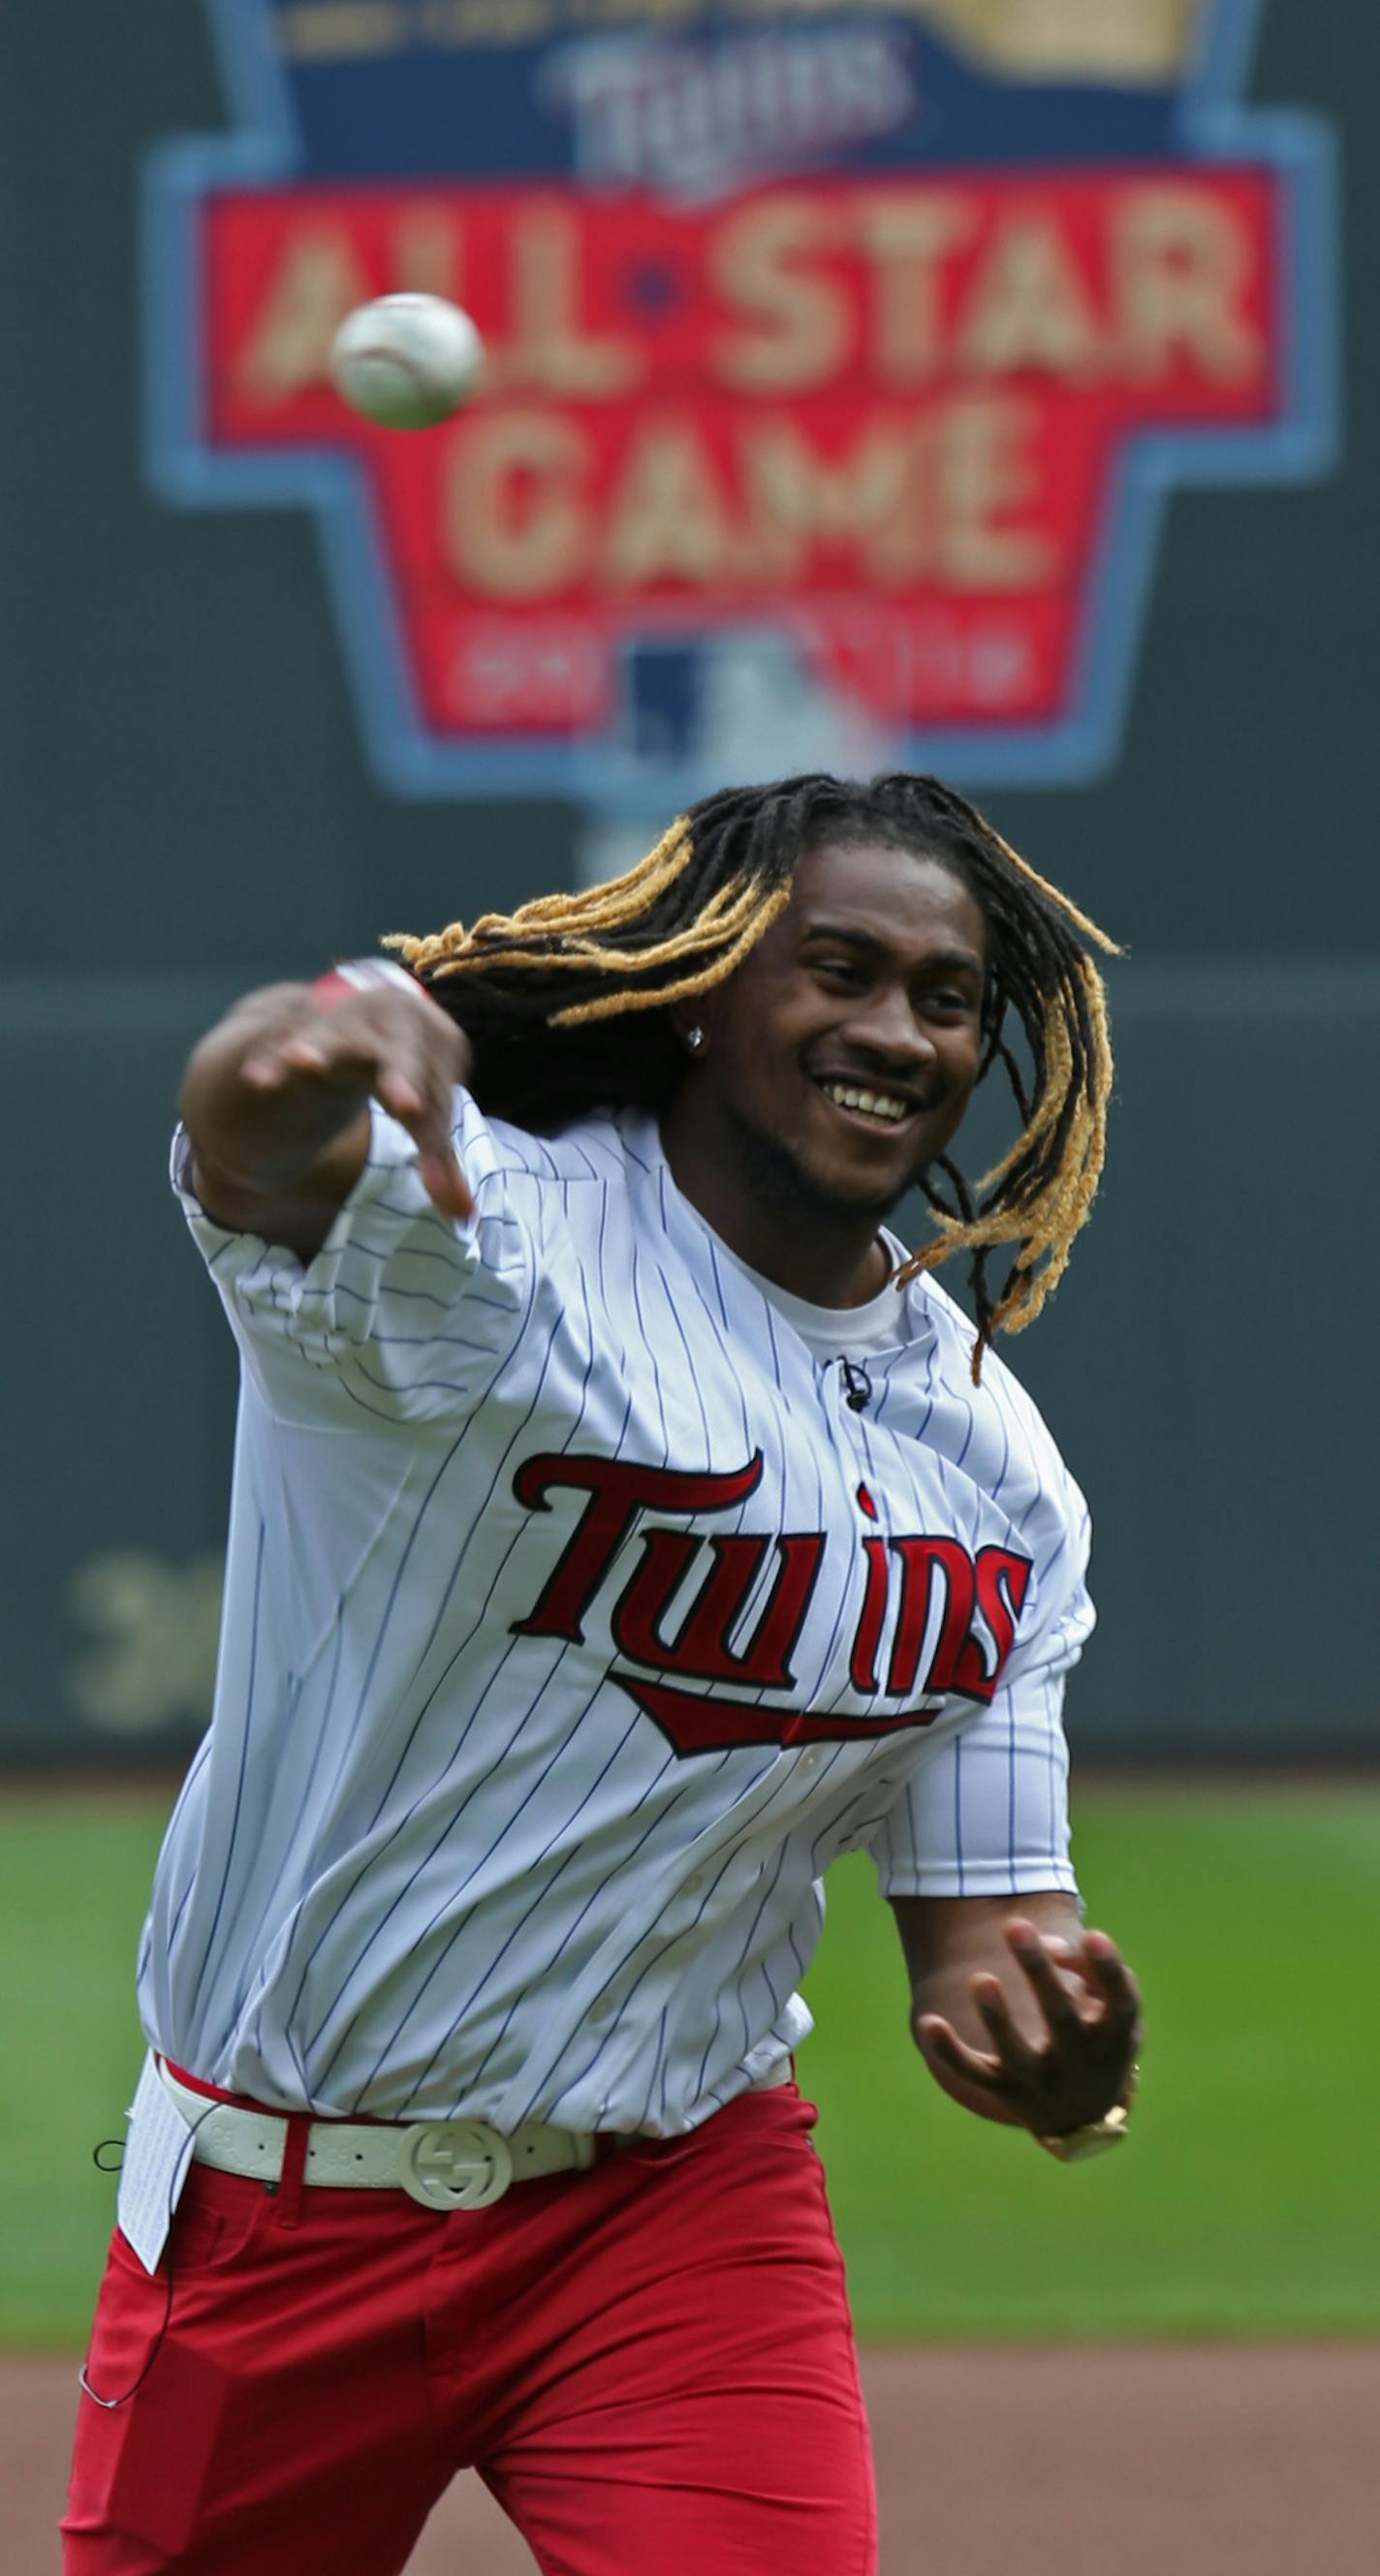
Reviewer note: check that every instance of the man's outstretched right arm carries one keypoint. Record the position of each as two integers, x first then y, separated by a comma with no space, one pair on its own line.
275,1102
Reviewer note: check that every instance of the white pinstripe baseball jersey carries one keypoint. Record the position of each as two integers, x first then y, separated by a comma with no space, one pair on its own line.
575,1621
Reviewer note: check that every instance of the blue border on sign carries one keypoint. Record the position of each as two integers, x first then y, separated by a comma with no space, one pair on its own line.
407,759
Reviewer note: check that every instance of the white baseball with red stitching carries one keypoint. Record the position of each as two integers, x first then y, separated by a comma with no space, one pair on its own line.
406,361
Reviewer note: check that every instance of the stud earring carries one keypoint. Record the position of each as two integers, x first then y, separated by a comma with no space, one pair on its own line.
694,1039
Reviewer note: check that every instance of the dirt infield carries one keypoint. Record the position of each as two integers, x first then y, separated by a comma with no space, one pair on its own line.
1153,2460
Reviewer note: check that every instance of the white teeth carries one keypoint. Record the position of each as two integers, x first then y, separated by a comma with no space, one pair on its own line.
876,1104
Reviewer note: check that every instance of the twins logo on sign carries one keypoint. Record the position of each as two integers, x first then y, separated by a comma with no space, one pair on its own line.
840,362
947,1603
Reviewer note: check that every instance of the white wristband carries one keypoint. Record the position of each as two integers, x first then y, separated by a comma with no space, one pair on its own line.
341,983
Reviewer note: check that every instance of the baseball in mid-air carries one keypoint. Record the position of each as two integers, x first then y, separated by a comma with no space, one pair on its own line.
406,361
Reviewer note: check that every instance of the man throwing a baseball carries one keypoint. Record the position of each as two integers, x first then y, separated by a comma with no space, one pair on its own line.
624,1524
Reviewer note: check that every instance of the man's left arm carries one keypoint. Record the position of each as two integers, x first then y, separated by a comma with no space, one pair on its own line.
1019,2013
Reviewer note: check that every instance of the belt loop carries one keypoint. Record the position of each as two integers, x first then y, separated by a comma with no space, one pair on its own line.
290,2182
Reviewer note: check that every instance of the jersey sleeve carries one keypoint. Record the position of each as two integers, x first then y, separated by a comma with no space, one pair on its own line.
403,1313
986,1811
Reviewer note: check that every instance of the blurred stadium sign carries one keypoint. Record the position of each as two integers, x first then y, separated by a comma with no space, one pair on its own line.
841,359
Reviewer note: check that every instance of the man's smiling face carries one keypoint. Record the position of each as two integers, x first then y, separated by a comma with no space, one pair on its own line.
842,1055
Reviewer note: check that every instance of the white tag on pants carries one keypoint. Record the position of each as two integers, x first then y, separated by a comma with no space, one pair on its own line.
158,2152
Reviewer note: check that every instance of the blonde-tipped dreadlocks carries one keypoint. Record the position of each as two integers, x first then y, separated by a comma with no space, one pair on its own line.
573,967
559,933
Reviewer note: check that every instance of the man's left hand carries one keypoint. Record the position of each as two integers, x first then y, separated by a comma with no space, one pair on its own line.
1061,2052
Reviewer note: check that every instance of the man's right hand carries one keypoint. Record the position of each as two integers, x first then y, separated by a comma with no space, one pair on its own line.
275,1103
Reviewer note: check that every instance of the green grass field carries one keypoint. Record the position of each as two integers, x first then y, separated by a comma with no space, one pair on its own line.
1245,2204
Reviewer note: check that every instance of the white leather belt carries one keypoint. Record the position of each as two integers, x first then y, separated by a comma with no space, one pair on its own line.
444,2164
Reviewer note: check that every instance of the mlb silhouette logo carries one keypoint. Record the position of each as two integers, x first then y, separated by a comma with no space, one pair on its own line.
840,362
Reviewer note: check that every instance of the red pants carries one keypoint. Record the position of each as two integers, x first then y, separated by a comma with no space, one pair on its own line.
650,2364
